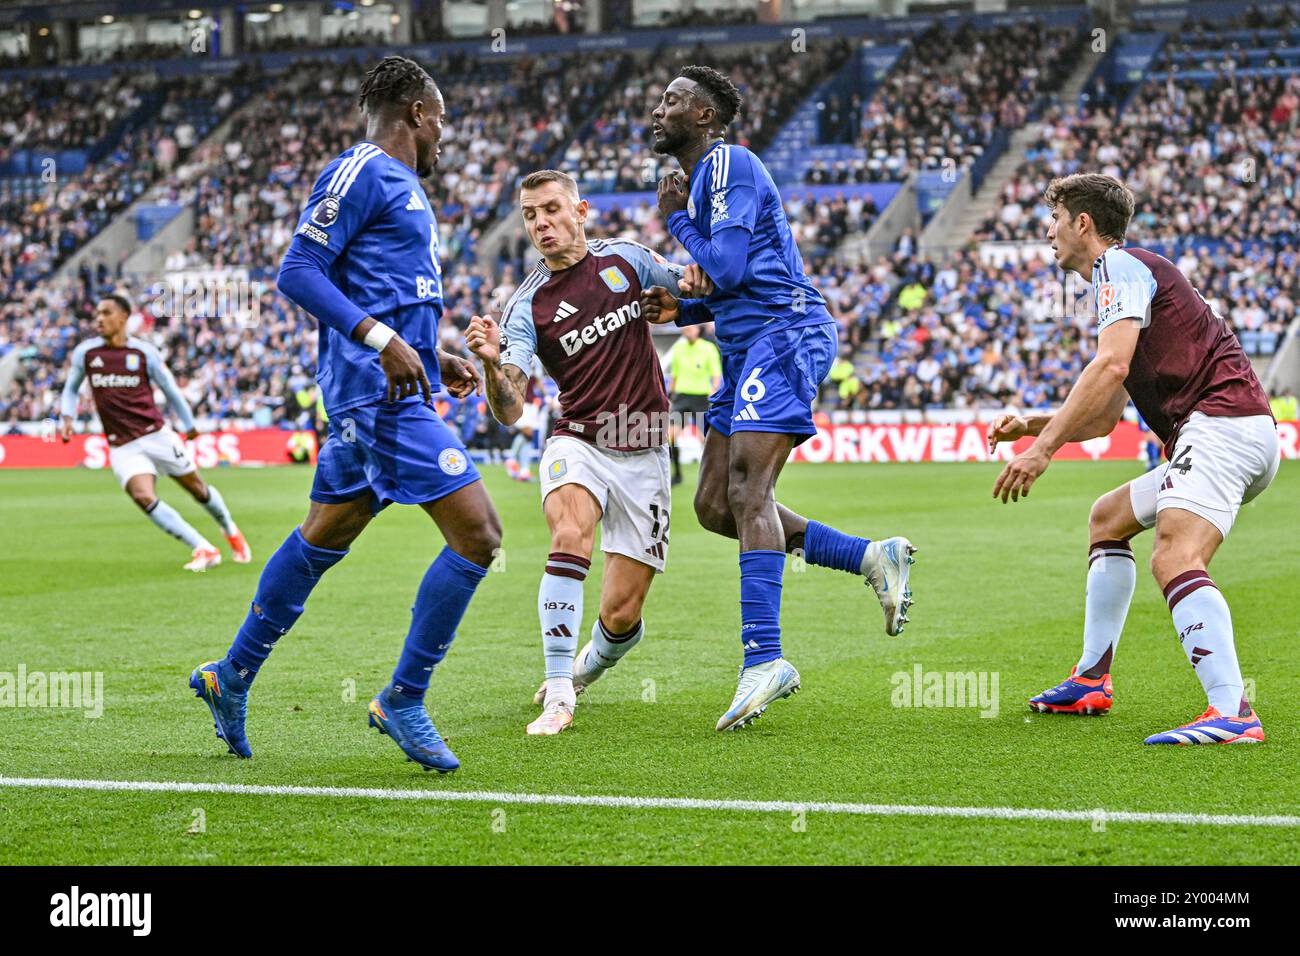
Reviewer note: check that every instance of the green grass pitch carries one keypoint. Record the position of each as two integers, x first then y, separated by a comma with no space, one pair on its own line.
87,584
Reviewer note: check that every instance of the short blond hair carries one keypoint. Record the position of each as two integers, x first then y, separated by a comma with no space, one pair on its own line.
543,176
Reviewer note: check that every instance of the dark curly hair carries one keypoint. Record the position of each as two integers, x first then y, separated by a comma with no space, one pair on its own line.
721,92
394,82
1107,200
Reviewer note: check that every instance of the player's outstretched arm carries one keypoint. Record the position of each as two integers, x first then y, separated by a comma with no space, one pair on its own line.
1094,396
506,383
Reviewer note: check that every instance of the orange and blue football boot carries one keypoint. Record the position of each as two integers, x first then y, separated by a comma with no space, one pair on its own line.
407,722
1075,695
226,695
1213,728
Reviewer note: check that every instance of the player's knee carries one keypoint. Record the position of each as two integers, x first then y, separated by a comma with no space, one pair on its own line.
572,539
714,515
143,499
485,543
1168,560
746,496
1100,520
621,613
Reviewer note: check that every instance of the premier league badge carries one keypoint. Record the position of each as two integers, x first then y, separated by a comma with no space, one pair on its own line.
690,206
326,211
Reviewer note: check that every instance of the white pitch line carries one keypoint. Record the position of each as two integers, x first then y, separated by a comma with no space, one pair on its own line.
657,803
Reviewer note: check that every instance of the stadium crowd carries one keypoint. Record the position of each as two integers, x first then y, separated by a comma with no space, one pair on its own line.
1214,168
952,331
948,95
614,154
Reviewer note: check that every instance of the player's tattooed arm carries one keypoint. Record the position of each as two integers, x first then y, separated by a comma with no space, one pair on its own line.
506,384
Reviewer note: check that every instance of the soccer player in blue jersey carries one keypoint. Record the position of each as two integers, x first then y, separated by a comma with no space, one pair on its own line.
364,262
778,341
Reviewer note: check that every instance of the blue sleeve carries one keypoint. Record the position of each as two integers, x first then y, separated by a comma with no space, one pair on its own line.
161,374
76,375
692,312
304,279
347,197
723,258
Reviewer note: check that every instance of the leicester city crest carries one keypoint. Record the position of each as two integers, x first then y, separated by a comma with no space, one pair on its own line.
326,211
614,278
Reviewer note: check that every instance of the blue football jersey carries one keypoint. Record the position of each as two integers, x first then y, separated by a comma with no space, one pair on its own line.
369,215
730,188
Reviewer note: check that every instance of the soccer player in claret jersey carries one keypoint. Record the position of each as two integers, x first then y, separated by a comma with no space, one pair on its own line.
579,311
778,342
366,248
122,371
1160,343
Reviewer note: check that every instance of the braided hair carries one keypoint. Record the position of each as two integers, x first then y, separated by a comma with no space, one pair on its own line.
721,92
394,82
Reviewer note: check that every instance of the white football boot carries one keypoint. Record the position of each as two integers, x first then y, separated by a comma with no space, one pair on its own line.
202,558
759,686
886,567
584,674
555,718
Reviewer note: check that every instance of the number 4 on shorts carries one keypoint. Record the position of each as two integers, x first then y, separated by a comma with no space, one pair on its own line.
1182,462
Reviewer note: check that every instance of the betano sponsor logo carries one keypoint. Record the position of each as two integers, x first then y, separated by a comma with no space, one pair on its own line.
113,380
576,340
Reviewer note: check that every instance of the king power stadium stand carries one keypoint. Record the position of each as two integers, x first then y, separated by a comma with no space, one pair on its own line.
912,153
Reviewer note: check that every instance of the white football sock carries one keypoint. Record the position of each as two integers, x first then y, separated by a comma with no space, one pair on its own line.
1112,575
1204,627
165,516
607,649
216,506
559,606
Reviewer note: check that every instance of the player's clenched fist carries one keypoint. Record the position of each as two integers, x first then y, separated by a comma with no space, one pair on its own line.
658,305
483,338
1006,428
695,283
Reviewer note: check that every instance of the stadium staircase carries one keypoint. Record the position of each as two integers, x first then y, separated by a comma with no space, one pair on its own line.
124,239
985,201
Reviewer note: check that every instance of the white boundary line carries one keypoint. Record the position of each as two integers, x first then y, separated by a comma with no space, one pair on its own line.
657,803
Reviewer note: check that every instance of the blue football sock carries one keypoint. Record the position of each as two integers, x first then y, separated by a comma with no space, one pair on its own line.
439,605
760,605
282,591
828,548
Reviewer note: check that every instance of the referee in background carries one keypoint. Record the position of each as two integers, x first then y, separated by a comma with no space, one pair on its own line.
694,373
